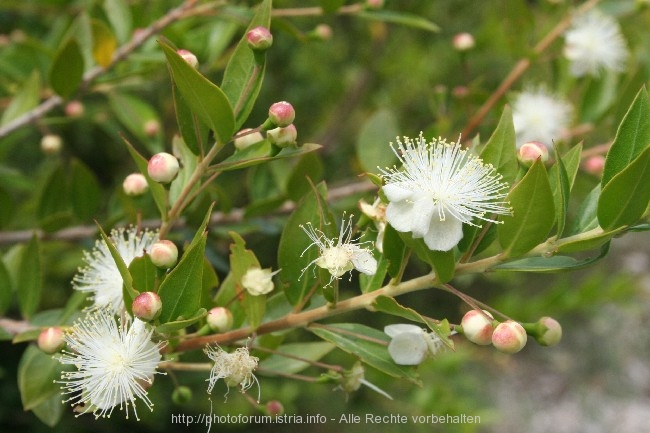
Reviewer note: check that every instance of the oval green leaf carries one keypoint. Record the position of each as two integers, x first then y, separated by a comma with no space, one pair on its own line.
67,69
30,281
372,143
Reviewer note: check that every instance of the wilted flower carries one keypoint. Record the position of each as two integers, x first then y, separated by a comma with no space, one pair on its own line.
594,42
339,255
235,368
101,276
410,344
539,116
440,188
115,364
258,281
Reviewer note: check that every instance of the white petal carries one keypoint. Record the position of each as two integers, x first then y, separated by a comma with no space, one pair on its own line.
363,261
444,235
422,215
394,192
399,215
393,330
408,348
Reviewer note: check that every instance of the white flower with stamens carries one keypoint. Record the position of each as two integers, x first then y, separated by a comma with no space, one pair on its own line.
235,368
101,277
593,43
115,361
540,116
440,188
339,255
411,345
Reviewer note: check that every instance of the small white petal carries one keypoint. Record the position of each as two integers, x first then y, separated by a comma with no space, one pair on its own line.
444,235
408,348
398,328
363,260
400,215
394,192
423,216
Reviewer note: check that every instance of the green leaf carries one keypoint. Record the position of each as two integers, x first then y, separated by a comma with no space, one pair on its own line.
443,262
587,217
533,213
586,244
309,166
194,132
127,288
25,100
500,150
625,198
104,43
67,69
600,93
6,289
54,207
290,364
144,273
205,99
7,207
85,191
330,6
177,325
156,189
190,161
368,344
119,15
30,281
259,153
372,143
571,161
242,79
134,113
395,251
561,188
370,283
631,139
241,260
50,411
552,264
37,372
395,17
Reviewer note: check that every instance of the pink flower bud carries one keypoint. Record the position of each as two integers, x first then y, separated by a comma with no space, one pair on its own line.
509,337
189,57
283,137
259,38
552,333
477,328
135,184
163,167
51,144
147,306
74,109
322,32
531,152
220,319
463,42
595,165
51,340
282,114
245,138
151,127
274,408
164,254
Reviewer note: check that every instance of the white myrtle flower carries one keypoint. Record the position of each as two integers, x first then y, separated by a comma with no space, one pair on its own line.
101,277
594,42
540,116
440,188
235,368
339,255
258,281
115,361
410,344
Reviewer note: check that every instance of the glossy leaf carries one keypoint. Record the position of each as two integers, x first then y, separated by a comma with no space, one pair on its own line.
571,161
28,98
533,213
129,293
395,17
395,251
6,288
587,218
589,243
625,198
85,191
205,99
259,153
144,273
552,264
561,189
242,79
500,150
30,281
194,132
104,43
37,372
50,411
372,144
177,325
67,69
309,166
631,139
442,262
156,189
296,352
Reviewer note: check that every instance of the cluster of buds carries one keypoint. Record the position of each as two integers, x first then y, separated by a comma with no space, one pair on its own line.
281,115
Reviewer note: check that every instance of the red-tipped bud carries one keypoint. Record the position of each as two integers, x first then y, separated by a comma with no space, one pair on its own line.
478,328
189,57
147,306
74,109
274,408
282,114
595,165
245,138
531,152
463,42
259,38
552,331
283,137
135,184
164,254
509,337
220,319
51,144
51,340
163,167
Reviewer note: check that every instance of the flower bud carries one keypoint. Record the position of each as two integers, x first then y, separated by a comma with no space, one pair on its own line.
135,184
189,57
74,109
531,152
274,408
258,281
182,395
151,127
477,328
551,333
164,254
163,167
259,38
463,42
322,32
147,306
595,165
220,319
282,114
245,138
51,144
283,137
509,337
352,379
374,4
51,340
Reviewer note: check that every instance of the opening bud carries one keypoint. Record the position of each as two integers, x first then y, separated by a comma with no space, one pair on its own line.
135,184
51,144
163,167
164,254
274,408
478,328
182,395
463,42
259,38
509,337
258,281
283,136
51,340
147,306
531,152
282,114
595,165
220,319
189,57
551,331
245,138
